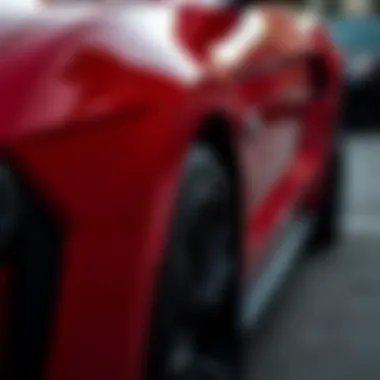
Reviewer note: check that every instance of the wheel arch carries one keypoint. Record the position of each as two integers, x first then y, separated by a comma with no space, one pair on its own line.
212,134
215,130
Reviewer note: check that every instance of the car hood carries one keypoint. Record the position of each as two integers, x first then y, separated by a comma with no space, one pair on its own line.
29,41
37,50
21,26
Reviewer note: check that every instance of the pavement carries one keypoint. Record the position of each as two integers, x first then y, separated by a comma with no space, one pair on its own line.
326,323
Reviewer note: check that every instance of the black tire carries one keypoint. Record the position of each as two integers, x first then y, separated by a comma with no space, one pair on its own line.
327,225
200,254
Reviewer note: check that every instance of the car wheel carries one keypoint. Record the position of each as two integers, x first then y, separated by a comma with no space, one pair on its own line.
327,227
192,335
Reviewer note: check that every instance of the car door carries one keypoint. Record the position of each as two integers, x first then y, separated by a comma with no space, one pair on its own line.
271,77
271,74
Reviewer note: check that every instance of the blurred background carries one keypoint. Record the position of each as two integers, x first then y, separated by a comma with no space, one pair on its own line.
327,323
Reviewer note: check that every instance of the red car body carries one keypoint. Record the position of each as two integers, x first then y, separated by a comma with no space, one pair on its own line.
98,109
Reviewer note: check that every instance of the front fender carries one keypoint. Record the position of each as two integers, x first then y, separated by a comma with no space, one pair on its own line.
101,137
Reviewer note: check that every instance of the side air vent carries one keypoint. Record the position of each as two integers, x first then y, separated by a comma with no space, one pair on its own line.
319,76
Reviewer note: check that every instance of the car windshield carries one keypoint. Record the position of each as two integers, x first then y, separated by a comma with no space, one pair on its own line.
357,35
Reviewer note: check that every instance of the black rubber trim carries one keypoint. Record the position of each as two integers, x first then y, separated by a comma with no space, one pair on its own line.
35,261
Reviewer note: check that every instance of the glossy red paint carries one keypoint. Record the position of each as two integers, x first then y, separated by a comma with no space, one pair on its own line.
98,110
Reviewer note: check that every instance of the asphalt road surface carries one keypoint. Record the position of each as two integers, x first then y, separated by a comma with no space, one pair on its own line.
326,323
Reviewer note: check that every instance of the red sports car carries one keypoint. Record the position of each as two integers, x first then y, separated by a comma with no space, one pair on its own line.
161,166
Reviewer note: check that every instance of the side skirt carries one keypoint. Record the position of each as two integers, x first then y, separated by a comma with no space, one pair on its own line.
283,255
